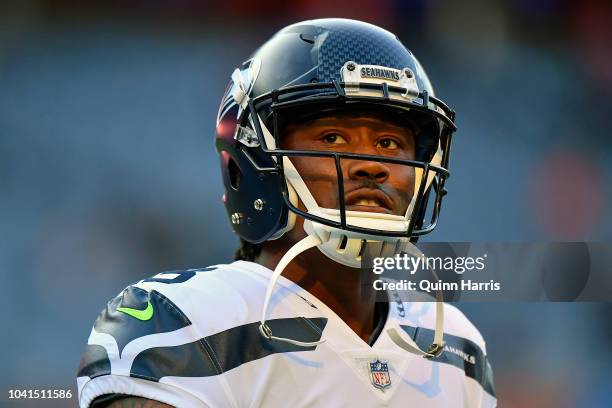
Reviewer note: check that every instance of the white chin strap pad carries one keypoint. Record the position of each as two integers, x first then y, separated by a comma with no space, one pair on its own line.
347,248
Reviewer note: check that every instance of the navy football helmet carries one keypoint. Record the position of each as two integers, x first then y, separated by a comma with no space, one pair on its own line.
311,68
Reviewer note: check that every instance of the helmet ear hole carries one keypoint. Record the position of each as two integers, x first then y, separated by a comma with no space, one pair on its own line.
235,175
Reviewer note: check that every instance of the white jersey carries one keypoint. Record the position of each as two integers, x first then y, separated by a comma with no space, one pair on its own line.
191,339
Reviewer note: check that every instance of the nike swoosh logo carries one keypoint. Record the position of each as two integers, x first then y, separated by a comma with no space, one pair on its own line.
145,314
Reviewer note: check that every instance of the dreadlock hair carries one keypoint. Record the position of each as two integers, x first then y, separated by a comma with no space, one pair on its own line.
247,251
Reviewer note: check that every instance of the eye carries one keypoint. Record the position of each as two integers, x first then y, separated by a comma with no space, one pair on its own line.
387,143
333,138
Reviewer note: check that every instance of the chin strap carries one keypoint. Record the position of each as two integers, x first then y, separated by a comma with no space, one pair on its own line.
437,347
434,350
265,330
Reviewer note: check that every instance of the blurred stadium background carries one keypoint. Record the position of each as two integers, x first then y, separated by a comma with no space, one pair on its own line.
108,171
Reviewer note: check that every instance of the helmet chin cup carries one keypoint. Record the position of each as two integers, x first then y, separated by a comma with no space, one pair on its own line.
347,247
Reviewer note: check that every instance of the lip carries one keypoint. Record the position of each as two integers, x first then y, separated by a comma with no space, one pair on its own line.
385,203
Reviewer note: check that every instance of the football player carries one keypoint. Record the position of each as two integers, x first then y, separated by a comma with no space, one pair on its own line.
332,146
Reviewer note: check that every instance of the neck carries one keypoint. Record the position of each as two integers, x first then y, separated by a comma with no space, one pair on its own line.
341,288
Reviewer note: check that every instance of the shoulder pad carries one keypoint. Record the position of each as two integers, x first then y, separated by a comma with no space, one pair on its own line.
132,315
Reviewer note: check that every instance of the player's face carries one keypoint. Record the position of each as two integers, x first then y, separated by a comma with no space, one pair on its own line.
368,185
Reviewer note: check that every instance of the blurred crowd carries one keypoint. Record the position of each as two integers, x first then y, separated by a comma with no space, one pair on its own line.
108,172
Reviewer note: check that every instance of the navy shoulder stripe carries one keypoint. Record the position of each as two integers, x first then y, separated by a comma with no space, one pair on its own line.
459,352
226,350
135,313
94,362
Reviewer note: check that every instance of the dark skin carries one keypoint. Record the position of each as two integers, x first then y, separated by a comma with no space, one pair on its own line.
136,402
369,186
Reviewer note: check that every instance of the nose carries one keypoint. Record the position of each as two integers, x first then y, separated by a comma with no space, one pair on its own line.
368,170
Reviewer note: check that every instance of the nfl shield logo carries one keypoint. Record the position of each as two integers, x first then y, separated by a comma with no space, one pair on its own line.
379,374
